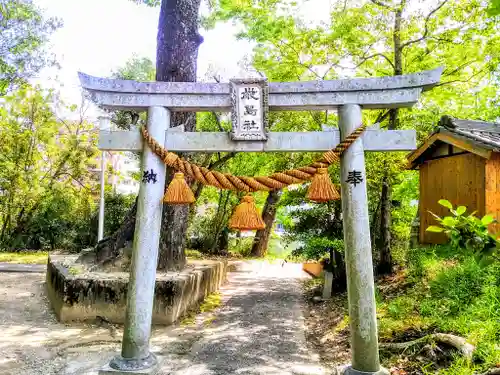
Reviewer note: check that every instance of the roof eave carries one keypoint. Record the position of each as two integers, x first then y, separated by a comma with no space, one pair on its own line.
463,141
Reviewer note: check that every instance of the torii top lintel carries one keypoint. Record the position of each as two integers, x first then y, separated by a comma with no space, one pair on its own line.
370,93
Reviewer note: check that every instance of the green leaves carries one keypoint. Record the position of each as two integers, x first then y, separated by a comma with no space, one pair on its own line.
445,203
449,221
487,220
494,8
24,33
467,232
45,171
435,229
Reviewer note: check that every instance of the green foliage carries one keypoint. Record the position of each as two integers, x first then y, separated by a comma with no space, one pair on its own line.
115,209
137,69
25,257
24,31
448,291
241,246
467,231
316,228
45,180
317,248
151,3
208,231
357,39
455,289
494,8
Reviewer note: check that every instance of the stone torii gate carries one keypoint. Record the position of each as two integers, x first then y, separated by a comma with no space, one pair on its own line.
348,97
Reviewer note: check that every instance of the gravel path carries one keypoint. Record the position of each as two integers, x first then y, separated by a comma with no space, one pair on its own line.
258,329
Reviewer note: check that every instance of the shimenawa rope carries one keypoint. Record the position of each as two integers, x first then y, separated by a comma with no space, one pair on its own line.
247,184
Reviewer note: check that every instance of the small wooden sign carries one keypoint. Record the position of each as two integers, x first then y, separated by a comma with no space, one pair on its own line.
250,100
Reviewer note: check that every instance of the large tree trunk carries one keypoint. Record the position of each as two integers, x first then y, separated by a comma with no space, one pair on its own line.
176,61
385,265
339,282
110,248
261,239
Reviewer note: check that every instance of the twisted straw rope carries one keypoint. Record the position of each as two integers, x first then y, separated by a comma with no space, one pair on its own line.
227,181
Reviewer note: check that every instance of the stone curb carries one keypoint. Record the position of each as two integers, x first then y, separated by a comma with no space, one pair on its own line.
27,268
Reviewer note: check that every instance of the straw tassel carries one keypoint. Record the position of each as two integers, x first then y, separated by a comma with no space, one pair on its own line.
246,217
178,191
322,188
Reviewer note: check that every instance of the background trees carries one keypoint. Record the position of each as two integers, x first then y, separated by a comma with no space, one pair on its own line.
366,38
45,174
376,38
23,34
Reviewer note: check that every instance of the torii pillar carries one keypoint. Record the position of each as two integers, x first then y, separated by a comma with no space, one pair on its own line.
347,96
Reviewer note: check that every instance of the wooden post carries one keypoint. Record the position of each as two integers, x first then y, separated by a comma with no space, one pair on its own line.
135,355
358,252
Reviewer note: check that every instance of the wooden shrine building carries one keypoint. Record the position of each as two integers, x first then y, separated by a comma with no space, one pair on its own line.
460,162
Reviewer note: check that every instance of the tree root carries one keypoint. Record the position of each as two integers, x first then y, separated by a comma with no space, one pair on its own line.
493,371
445,338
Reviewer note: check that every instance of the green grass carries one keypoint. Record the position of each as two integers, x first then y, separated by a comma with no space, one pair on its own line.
211,302
25,257
194,254
277,249
240,248
451,293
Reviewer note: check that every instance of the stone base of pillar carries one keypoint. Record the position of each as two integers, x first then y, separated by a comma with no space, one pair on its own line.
122,366
348,370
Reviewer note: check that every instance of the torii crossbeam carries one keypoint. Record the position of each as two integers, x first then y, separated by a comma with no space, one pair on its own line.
348,97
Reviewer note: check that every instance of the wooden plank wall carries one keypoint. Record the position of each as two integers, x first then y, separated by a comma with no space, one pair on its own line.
493,190
459,179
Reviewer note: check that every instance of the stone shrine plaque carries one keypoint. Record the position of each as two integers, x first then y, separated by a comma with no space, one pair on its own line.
250,100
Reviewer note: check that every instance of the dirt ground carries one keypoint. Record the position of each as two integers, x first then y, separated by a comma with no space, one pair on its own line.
327,328
33,342
261,311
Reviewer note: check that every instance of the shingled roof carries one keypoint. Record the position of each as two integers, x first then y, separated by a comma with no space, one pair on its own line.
479,137
485,133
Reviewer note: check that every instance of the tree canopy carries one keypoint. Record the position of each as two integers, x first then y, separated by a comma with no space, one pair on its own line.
24,31
46,180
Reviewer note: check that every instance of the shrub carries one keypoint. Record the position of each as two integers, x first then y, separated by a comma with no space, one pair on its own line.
241,246
456,288
467,232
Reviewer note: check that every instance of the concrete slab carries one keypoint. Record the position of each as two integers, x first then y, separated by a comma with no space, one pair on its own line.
107,370
90,296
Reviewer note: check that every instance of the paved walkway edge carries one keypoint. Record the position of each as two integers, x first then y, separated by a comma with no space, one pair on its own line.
15,267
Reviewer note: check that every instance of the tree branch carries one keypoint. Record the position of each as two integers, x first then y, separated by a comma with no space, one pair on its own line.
382,116
217,120
380,3
426,26
307,66
493,371
461,80
216,116
75,179
457,342
375,55
458,68
222,160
